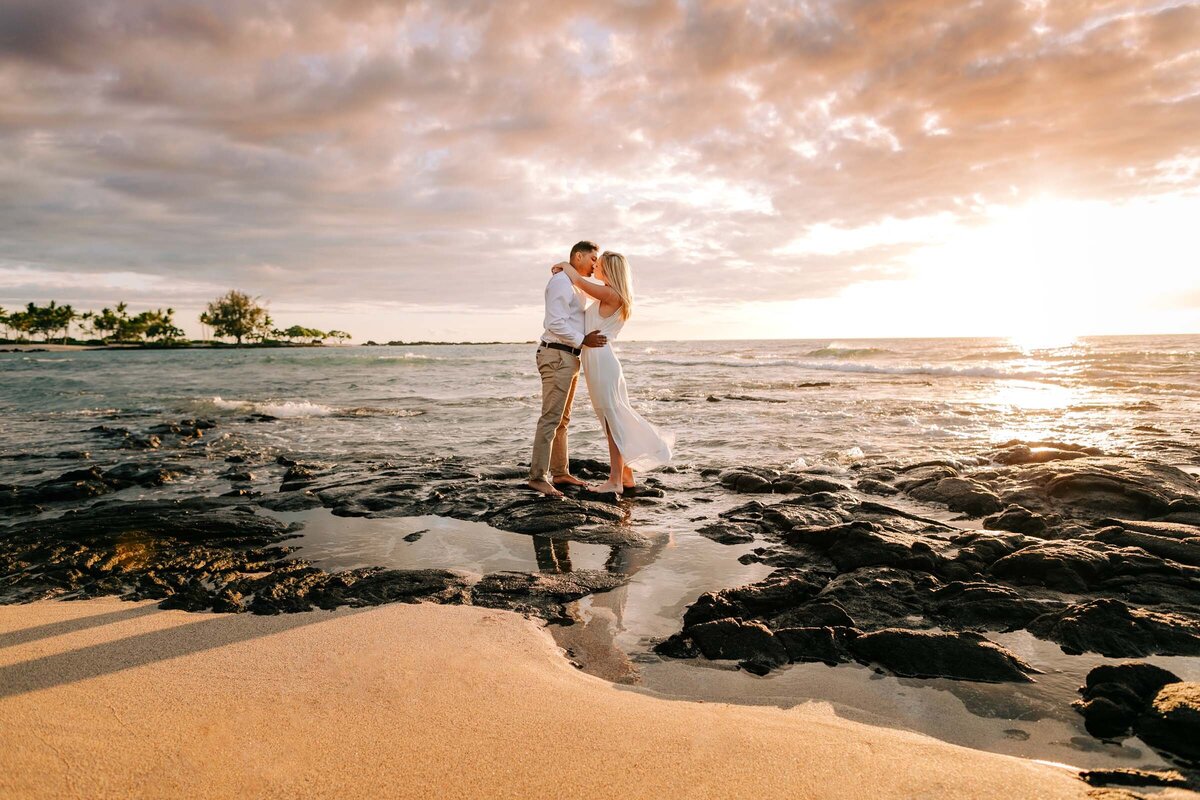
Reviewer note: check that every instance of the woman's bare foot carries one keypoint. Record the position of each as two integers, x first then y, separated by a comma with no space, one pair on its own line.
608,487
545,488
567,480
627,478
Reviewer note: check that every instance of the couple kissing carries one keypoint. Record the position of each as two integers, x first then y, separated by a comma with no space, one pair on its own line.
578,334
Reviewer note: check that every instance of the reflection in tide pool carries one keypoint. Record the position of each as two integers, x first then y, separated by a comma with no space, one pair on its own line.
614,629
341,543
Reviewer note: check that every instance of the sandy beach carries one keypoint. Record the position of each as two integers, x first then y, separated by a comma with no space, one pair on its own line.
104,698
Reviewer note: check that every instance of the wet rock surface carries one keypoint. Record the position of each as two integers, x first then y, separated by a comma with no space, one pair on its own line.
1092,551
927,654
1152,703
1116,695
1172,722
225,554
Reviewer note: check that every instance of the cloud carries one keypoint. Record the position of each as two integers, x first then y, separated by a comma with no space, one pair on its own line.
444,154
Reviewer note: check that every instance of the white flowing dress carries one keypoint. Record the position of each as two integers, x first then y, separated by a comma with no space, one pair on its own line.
642,445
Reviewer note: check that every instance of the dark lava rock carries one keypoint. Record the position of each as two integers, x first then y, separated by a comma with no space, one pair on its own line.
815,613
1018,520
292,501
865,544
677,645
373,586
542,594
826,644
1024,454
1171,530
978,550
78,484
1094,488
748,480
149,548
883,597
928,654
1115,695
916,475
298,476
780,591
642,490
804,512
1184,550
301,587
1172,722
726,533
876,487
551,515
83,484
1113,629
978,604
732,638
127,439
1069,566
959,494
1133,777
130,474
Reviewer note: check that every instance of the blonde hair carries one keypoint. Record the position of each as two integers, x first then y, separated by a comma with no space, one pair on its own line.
616,275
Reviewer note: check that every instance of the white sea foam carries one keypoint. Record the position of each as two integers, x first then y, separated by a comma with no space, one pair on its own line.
409,357
285,409
298,409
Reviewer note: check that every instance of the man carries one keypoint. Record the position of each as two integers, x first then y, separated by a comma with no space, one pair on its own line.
558,363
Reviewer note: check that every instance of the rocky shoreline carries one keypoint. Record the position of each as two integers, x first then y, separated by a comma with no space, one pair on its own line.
1096,552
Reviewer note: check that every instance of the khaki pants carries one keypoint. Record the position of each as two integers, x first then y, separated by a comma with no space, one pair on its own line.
560,373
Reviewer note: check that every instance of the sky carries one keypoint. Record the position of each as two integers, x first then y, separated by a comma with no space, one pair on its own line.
410,170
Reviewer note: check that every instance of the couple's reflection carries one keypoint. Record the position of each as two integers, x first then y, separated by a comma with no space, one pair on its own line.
594,638
553,555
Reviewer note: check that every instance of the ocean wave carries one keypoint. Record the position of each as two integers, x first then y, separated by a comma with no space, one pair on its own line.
300,409
874,369
286,409
848,352
370,411
410,357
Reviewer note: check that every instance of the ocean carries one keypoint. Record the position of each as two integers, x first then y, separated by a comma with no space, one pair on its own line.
818,403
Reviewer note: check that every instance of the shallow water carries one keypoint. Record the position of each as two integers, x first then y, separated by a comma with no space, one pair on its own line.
819,405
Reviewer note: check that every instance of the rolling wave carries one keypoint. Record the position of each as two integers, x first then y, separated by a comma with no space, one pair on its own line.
299,409
875,369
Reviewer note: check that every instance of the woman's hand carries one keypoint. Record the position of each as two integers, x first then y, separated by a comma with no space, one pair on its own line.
559,267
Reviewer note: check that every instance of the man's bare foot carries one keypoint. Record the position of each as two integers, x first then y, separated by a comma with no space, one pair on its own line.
567,480
545,488
608,487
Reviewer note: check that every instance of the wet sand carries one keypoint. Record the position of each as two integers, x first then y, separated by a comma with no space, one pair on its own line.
104,698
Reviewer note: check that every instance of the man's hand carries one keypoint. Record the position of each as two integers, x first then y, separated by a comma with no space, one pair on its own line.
595,339
557,268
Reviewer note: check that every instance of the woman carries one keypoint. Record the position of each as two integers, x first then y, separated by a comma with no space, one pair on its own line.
633,443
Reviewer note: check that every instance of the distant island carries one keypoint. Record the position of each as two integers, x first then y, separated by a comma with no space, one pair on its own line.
234,315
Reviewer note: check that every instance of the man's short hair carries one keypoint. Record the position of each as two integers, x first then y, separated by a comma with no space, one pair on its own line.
584,247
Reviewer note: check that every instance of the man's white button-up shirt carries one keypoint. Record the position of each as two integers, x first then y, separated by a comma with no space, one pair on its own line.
564,312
